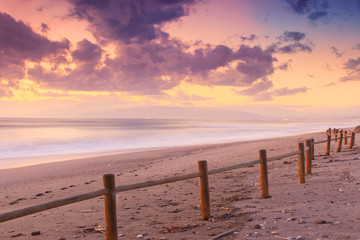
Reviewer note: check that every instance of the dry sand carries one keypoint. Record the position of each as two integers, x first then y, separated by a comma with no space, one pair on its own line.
325,207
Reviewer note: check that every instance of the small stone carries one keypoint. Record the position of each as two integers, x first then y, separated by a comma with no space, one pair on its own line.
291,219
301,221
320,222
35,233
300,238
163,238
257,226
139,236
39,194
121,235
61,238
274,233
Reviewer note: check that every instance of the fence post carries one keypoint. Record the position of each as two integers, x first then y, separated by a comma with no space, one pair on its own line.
312,149
308,157
204,190
328,144
110,207
340,142
345,138
336,132
352,140
301,163
264,184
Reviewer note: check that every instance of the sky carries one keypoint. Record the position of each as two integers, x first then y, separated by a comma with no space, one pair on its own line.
233,59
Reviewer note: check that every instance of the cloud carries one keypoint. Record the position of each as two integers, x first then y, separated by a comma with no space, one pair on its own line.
249,38
353,70
285,66
19,43
129,20
336,52
263,91
153,67
287,92
256,88
146,60
291,36
358,46
313,9
291,42
44,28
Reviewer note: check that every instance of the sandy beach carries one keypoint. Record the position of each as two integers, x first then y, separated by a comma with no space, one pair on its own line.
325,207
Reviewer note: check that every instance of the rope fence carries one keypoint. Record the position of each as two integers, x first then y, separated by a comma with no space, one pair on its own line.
305,155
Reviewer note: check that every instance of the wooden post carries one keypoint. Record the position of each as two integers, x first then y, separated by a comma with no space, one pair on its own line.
328,144
336,132
204,190
301,163
345,138
110,207
329,131
340,142
312,149
352,140
264,184
308,157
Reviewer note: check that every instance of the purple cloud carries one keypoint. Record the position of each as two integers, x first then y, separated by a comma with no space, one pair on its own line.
19,43
146,59
129,20
256,88
44,28
291,36
249,38
314,9
286,91
285,66
291,42
353,69
336,52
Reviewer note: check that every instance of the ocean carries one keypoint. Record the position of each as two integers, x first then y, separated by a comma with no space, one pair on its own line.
29,141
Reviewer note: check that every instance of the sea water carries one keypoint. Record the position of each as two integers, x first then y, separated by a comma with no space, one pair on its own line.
27,141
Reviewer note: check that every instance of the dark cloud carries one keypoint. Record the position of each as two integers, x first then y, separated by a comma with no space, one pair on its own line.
44,28
287,92
291,42
146,59
336,52
249,38
313,9
152,67
19,43
294,48
291,36
204,60
358,46
129,20
352,66
255,62
285,66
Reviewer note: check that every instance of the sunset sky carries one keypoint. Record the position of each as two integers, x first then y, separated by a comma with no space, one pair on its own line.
180,58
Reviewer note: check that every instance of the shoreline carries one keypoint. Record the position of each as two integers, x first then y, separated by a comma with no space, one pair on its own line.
157,209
